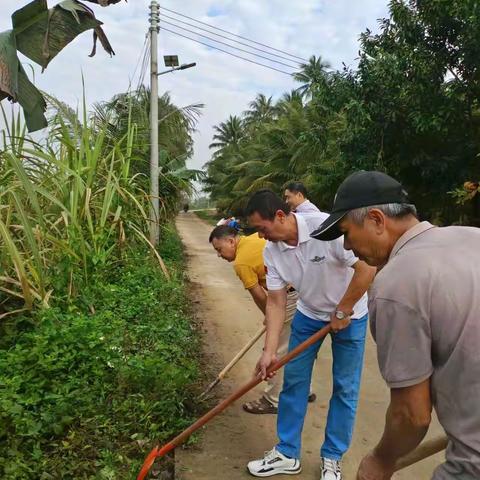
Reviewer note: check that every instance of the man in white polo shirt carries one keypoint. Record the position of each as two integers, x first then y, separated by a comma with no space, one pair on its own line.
296,198
331,284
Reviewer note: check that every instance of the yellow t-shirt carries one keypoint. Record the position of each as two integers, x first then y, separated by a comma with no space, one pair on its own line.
248,263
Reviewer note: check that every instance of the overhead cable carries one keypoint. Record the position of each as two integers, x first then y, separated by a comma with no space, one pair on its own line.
233,34
227,38
228,45
227,52
140,60
143,70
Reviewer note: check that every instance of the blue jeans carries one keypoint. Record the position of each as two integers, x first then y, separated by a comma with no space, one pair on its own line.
347,348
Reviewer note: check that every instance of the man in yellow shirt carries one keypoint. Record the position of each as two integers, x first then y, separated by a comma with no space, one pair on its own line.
246,253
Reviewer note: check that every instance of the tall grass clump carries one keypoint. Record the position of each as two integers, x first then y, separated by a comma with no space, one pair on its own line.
98,353
68,207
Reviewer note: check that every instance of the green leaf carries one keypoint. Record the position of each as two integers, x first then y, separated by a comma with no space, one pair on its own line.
41,33
9,65
29,14
32,102
15,84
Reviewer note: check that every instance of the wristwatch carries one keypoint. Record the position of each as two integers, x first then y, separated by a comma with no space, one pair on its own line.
342,315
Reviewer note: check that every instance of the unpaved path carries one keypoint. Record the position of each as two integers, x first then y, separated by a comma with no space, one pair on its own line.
229,441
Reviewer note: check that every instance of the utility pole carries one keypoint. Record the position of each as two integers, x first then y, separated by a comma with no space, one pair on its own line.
154,172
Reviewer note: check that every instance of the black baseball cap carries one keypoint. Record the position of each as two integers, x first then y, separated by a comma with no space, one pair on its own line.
360,189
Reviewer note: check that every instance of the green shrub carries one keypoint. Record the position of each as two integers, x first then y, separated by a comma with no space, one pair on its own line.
84,390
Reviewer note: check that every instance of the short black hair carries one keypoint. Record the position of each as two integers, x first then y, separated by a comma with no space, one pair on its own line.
297,187
266,203
222,231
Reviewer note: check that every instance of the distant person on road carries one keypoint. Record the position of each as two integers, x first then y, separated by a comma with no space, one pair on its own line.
331,284
246,253
424,313
296,197
185,207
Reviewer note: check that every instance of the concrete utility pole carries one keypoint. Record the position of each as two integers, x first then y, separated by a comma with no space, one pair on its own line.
154,172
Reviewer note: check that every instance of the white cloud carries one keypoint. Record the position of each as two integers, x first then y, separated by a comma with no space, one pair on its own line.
329,28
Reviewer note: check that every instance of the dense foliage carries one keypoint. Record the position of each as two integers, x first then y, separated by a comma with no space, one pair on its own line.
84,390
175,129
410,108
97,350
77,202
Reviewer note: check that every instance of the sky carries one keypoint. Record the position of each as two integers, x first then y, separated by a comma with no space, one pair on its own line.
326,28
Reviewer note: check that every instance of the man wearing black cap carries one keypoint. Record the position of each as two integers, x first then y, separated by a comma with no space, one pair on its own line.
423,308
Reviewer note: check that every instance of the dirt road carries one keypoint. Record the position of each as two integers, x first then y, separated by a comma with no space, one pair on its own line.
228,442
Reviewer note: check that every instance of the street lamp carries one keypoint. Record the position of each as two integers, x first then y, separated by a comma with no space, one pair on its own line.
170,61
184,66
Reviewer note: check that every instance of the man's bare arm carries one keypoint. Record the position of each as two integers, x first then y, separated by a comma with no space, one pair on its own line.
407,421
362,278
259,296
274,319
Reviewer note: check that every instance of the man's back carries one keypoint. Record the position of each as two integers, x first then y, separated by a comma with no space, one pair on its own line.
307,207
425,306
248,263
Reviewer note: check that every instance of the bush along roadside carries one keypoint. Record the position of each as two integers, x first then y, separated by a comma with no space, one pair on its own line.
85,388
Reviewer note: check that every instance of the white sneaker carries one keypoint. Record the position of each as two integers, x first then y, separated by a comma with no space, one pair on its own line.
274,463
331,469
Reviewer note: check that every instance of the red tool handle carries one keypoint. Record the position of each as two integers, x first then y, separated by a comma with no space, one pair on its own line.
179,439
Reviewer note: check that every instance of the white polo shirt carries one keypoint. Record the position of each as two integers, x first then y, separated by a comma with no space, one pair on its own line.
319,271
307,207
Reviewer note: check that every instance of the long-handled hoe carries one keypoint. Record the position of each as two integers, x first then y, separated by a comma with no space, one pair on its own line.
233,362
426,449
179,439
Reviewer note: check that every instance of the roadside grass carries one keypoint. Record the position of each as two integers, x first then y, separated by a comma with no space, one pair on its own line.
88,386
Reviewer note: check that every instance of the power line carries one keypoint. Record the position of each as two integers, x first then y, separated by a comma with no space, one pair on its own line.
233,34
144,68
140,59
228,53
228,45
227,38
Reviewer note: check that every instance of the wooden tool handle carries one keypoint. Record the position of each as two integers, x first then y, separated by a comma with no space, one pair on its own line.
179,439
424,450
242,352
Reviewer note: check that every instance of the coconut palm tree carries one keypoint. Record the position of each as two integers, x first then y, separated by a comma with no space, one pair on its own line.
261,109
175,128
227,133
311,74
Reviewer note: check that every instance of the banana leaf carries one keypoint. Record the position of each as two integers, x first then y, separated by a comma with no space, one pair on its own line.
15,85
32,103
104,3
41,33
9,65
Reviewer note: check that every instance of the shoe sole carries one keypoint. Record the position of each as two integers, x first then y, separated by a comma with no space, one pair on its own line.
276,472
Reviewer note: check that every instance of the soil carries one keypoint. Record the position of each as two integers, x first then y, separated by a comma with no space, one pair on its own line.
229,319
